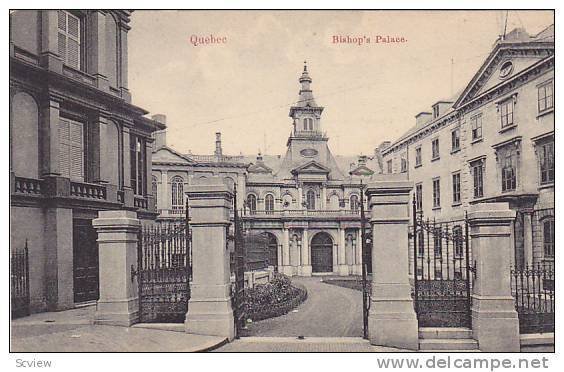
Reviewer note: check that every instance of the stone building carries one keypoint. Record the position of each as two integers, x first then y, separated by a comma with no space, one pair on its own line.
493,142
306,202
77,146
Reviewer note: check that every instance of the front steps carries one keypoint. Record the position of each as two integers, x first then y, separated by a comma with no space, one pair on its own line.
447,340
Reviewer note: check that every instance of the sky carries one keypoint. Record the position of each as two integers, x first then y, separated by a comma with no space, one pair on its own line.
244,87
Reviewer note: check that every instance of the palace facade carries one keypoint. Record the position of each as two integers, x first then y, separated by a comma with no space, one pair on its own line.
306,202
494,142
77,146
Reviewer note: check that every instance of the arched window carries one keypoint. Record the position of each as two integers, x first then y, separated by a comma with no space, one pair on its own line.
308,124
310,200
252,202
269,203
354,203
154,188
548,237
177,184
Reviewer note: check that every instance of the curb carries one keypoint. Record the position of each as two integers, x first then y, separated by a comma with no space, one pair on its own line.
210,346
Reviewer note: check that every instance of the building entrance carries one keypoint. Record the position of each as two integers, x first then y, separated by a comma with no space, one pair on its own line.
322,253
85,261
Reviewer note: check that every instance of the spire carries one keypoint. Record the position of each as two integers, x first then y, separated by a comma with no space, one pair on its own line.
306,94
305,80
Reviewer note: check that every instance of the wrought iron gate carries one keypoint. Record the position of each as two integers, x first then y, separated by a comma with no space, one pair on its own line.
19,283
238,267
164,271
442,272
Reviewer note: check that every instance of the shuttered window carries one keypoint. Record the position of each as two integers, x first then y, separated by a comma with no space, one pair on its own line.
68,38
71,149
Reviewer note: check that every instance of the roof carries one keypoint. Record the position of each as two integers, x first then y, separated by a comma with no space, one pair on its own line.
514,38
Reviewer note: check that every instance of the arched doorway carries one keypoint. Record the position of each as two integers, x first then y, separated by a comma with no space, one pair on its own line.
322,253
272,247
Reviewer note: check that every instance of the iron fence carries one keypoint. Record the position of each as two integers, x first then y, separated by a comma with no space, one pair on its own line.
532,287
19,282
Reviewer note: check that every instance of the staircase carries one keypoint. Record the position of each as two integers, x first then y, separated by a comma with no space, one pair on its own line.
452,340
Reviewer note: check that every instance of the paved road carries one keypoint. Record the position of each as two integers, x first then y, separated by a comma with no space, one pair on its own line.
309,344
329,311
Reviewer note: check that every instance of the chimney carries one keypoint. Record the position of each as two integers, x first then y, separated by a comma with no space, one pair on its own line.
161,118
218,150
160,138
422,118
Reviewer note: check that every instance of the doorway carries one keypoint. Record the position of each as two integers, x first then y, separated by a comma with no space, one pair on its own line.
322,253
85,261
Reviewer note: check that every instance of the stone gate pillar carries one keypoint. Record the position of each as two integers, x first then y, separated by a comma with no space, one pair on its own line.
209,307
117,252
392,320
495,324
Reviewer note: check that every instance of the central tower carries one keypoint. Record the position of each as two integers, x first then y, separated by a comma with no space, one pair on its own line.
306,114
308,158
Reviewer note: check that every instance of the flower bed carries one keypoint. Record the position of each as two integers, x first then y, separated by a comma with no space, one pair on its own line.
274,298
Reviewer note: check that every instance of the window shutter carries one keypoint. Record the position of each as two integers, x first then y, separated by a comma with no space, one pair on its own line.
73,54
64,147
62,45
76,151
62,20
74,25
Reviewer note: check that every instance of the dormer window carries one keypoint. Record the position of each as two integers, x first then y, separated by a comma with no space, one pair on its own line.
436,111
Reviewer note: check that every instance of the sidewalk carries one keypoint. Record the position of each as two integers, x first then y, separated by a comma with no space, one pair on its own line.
72,331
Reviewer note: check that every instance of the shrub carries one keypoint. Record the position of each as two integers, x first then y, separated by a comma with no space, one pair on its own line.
274,298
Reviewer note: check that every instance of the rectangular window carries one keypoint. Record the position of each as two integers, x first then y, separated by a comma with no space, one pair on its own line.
438,242
438,273
420,243
548,238
456,188
389,164
436,193
546,162
546,100
403,163
478,177
418,156
506,113
476,123
435,149
138,166
419,196
458,242
455,139
69,38
508,172
71,149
